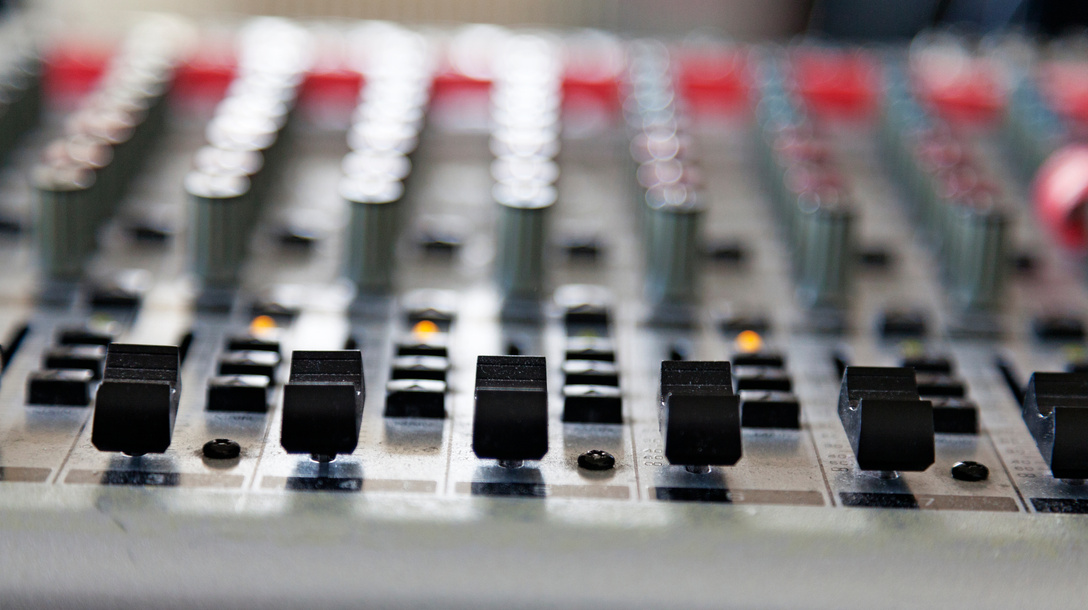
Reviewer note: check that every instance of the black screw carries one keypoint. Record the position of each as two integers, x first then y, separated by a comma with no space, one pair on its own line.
596,459
222,449
970,471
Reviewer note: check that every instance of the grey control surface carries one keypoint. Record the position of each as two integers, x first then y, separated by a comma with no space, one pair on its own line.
291,477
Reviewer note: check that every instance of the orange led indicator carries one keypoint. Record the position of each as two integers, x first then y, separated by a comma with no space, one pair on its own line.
749,341
262,325
424,329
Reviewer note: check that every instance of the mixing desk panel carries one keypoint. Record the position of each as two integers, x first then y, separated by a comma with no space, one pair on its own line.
344,313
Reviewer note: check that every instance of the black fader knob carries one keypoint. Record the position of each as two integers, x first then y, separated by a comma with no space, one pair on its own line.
511,422
700,414
889,426
323,403
137,401
1056,413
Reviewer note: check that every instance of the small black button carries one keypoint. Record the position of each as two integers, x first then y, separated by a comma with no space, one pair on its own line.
114,296
83,336
889,427
439,244
592,404
70,387
590,348
929,364
137,401
150,226
282,313
1056,414
587,315
87,357
1025,263
937,384
767,359
415,398
442,318
875,257
582,248
149,232
894,324
298,237
439,248
955,416
511,420
433,346
733,325
10,225
726,251
590,372
246,343
684,374
245,393
767,379
255,362
1058,328
770,410
420,367
700,415
323,403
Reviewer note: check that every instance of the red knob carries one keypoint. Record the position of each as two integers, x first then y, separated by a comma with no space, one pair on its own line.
1060,193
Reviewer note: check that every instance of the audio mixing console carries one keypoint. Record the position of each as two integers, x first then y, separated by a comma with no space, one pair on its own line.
306,314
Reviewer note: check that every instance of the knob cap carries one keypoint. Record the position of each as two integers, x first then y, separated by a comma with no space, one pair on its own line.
221,209
323,403
511,420
700,415
1056,414
137,401
977,255
673,219
66,220
374,203
523,213
889,427
823,245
